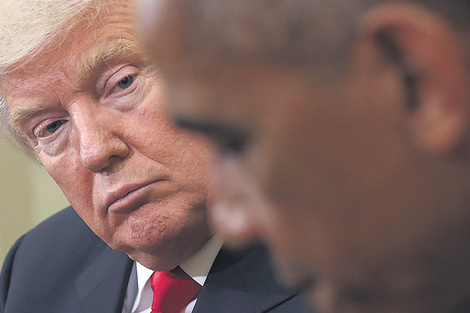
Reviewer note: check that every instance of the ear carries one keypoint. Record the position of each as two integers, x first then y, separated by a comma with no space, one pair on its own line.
430,57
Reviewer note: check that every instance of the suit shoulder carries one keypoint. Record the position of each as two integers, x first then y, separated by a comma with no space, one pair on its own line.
60,237
267,293
61,230
244,281
69,264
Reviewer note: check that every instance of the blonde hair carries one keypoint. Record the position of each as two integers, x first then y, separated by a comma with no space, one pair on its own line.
26,27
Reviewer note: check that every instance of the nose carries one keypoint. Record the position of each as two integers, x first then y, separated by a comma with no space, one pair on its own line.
99,140
235,205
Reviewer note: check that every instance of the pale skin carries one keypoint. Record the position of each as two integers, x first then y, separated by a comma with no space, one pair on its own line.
95,113
357,178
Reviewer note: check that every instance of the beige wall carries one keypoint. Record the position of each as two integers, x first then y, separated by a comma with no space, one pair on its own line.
27,196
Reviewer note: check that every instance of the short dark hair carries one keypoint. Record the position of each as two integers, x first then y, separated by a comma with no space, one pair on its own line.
297,32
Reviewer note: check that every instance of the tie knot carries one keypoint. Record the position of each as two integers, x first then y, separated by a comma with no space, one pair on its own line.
172,290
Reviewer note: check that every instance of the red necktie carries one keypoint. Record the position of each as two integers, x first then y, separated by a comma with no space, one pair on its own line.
172,290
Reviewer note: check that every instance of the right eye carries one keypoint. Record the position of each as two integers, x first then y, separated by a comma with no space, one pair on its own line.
48,128
232,144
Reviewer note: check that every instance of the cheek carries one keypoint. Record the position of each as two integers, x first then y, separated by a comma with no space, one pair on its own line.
76,184
191,161
272,172
289,161
285,178
187,154
159,139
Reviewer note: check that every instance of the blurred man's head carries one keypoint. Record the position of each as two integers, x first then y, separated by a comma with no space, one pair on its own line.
352,118
79,90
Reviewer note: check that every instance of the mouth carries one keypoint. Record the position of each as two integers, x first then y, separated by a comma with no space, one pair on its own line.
125,197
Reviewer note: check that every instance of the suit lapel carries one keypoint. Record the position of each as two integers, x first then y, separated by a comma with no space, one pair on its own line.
241,283
102,286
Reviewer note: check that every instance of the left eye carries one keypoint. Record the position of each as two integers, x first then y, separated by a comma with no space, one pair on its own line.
121,85
126,82
54,126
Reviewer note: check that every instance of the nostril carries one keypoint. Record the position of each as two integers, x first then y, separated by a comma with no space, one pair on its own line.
98,155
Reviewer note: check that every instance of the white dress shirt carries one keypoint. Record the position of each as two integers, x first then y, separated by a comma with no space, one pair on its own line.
139,294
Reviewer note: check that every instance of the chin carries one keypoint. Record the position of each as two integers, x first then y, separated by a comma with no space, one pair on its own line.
163,252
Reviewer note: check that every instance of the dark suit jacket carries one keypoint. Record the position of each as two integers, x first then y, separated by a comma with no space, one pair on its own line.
62,266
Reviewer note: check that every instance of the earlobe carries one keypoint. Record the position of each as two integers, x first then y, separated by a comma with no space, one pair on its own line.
427,53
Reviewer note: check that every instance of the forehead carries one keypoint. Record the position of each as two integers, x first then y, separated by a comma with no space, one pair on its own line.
103,26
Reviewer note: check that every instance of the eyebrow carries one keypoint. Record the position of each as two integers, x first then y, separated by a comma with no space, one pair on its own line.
21,113
114,50
210,128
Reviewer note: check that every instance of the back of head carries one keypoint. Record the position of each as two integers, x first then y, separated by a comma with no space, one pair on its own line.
348,110
293,32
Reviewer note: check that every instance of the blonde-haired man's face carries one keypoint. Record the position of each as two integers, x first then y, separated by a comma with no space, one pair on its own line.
95,113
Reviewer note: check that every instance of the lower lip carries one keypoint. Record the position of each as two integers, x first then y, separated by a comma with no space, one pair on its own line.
129,202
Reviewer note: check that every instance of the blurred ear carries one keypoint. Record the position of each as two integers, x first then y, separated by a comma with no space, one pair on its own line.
432,63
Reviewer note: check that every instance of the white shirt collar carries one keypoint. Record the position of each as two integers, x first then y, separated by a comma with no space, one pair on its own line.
197,266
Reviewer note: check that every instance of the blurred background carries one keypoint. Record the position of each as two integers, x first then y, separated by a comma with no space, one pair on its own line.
27,196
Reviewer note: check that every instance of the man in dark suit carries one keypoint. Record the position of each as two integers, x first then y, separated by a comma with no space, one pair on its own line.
62,266
81,97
